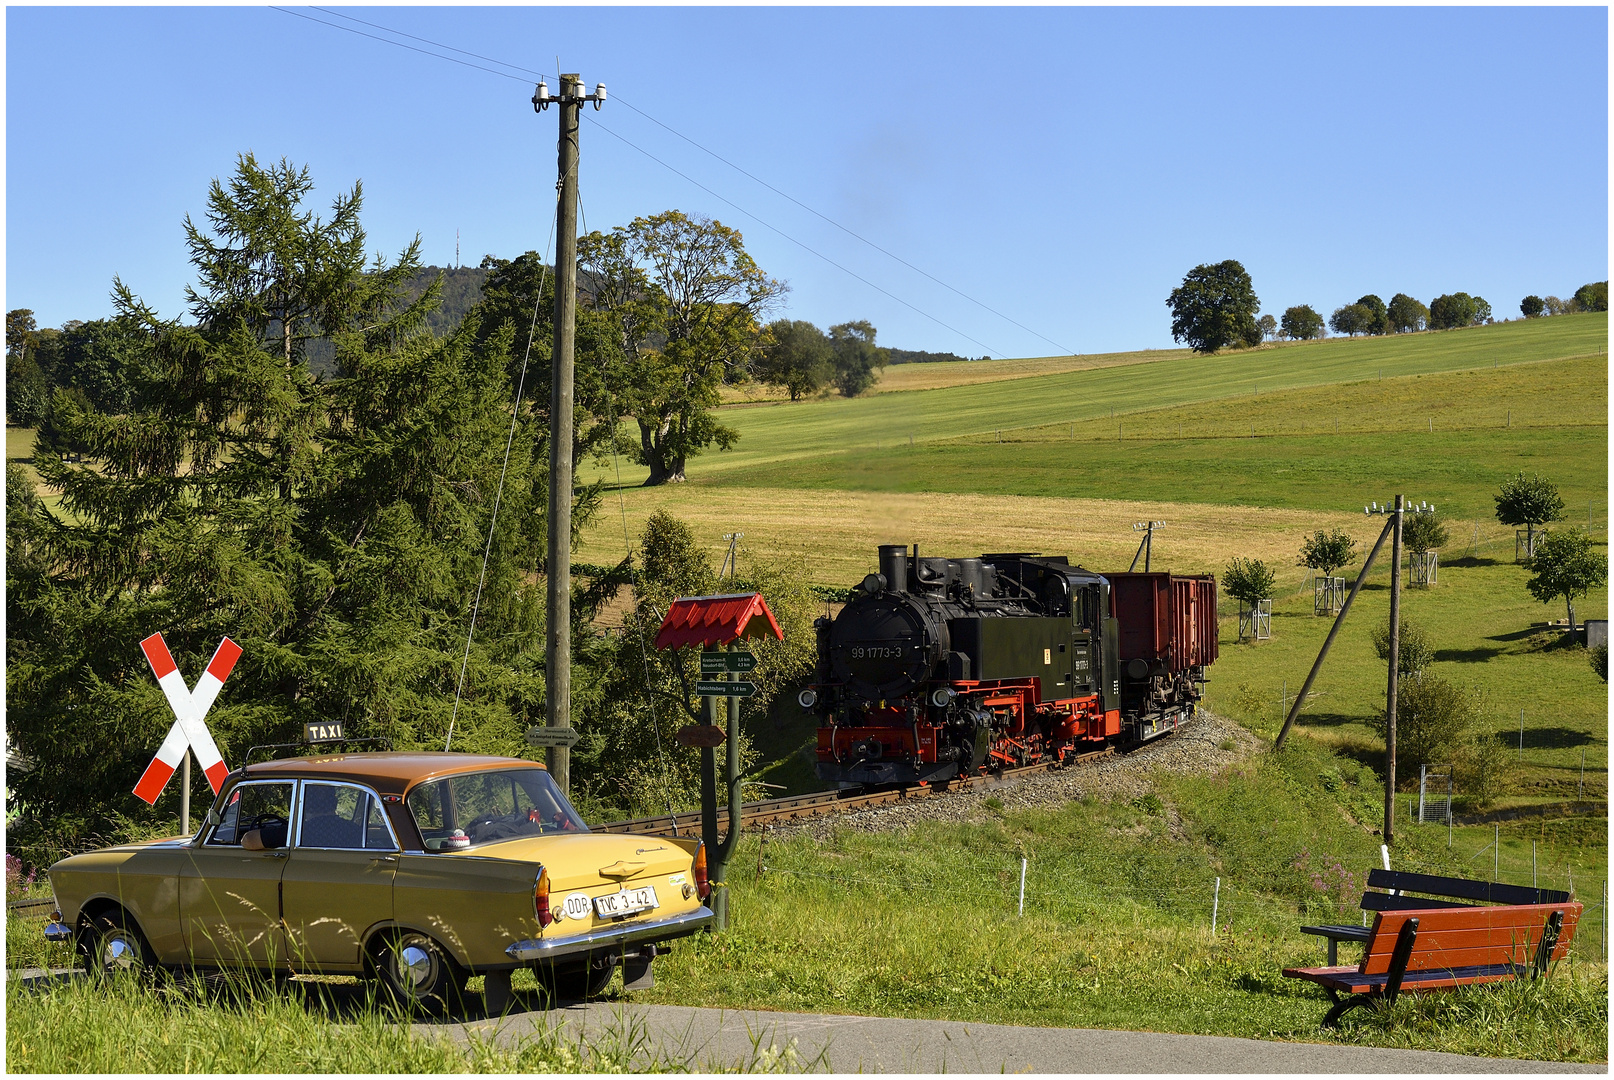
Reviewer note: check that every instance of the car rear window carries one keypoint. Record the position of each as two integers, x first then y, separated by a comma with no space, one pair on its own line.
468,809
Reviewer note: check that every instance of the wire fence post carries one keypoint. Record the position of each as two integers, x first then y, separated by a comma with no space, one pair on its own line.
1496,850
1521,734
1532,864
1022,885
1216,902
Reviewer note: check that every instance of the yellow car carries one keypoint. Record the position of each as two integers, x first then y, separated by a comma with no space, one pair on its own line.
418,869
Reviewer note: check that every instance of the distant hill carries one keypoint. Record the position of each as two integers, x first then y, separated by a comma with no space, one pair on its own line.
462,288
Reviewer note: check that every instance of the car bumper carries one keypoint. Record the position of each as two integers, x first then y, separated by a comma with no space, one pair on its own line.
612,937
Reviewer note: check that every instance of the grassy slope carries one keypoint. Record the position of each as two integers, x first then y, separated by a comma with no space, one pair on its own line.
785,431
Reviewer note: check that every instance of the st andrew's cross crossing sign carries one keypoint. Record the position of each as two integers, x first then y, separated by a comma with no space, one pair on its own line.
189,707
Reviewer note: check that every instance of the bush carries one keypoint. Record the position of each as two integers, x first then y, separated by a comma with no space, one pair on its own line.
1600,661
1432,721
1413,646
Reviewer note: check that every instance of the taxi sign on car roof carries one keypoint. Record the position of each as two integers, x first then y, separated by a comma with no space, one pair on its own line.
716,620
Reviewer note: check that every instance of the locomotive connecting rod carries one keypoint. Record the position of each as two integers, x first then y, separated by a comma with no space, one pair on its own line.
1333,631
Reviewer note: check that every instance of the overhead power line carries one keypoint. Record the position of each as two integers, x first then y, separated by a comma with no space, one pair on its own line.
525,77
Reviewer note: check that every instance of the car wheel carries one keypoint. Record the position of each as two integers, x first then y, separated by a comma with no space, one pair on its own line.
576,984
112,946
416,970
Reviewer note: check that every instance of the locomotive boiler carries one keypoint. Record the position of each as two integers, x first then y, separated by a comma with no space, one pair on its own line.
938,668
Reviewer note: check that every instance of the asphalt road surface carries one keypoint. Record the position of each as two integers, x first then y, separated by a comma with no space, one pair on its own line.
714,1038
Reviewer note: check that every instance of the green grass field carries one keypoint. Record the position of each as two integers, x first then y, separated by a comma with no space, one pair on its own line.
787,431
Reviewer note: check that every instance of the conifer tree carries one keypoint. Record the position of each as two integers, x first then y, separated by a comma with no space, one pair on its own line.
334,528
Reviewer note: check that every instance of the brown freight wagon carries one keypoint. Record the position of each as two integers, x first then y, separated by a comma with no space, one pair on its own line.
1168,637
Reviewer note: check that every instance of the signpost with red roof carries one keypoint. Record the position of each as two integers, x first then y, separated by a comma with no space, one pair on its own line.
711,621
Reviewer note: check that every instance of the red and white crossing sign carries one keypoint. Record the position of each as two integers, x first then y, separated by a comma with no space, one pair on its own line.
190,707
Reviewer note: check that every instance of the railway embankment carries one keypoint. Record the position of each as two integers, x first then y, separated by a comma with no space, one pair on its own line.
1206,745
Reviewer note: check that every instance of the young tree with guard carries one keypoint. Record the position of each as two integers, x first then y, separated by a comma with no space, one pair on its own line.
1529,502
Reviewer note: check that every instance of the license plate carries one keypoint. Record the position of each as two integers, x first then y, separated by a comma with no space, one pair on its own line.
626,902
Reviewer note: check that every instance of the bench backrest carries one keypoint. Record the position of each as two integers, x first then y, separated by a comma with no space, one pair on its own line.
1483,892
1456,937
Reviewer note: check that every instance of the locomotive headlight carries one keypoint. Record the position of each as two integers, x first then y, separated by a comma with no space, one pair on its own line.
943,696
807,698
874,584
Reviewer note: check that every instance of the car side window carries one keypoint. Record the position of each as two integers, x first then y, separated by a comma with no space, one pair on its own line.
265,807
341,816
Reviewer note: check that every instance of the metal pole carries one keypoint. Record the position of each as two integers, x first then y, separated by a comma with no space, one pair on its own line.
1496,850
1521,734
1333,632
1022,885
1216,901
1532,864
1395,670
1580,792
731,776
558,609
1423,781
184,795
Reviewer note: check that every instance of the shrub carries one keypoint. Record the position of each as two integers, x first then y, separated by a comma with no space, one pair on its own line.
1414,647
1600,661
1432,721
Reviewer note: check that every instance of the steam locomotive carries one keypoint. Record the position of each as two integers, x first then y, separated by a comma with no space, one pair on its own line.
939,668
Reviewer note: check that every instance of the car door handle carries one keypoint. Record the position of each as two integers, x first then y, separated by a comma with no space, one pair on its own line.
383,858
275,854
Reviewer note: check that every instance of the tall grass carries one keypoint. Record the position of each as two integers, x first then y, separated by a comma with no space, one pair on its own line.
239,1025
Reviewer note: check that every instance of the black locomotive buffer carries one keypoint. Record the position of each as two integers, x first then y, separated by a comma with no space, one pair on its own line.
949,667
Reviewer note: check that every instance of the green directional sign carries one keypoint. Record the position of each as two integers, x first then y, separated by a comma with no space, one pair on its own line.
725,689
715,662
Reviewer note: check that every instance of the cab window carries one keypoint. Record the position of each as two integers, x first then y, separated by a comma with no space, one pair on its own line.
342,816
265,807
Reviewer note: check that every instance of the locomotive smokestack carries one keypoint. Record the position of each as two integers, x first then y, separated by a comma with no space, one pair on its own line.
894,565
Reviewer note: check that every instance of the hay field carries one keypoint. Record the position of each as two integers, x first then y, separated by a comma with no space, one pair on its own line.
835,533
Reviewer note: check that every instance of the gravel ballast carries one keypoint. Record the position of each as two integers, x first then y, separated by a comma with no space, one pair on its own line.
1196,747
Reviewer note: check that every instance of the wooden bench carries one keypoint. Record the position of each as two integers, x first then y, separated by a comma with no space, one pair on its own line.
1418,943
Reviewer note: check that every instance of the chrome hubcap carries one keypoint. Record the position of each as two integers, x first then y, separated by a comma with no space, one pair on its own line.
118,953
415,965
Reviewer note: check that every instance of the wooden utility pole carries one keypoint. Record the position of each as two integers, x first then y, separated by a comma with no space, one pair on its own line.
1395,670
558,642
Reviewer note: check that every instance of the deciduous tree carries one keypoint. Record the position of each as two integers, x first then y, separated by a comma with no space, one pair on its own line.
1532,307
1450,311
1214,307
1565,565
686,299
1351,319
1378,320
800,358
1302,323
1327,552
1528,501
857,360
1268,325
1592,296
1405,314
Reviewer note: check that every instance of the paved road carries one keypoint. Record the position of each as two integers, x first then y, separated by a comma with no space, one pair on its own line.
715,1038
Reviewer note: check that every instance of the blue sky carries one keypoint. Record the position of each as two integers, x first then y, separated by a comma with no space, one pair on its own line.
1062,166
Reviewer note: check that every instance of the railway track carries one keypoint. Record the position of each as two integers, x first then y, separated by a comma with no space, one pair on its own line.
797,807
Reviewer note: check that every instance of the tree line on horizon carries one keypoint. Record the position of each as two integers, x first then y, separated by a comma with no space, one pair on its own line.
1216,306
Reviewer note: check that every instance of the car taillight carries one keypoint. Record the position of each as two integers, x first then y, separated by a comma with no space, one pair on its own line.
540,899
703,888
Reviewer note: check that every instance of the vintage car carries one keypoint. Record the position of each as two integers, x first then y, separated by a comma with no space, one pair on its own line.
417,869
